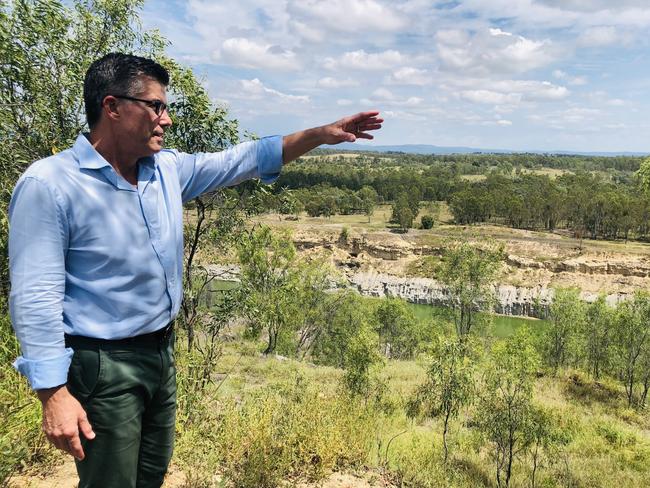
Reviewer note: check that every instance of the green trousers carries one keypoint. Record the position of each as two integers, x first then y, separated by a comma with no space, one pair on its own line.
128,389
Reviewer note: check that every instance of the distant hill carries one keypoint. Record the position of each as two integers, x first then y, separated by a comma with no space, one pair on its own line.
430,149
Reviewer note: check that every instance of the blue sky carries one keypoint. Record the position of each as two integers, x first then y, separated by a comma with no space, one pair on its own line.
512,74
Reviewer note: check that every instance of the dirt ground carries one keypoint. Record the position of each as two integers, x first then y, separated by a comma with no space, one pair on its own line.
65,476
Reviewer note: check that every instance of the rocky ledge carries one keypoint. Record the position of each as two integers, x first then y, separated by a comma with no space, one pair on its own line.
510,300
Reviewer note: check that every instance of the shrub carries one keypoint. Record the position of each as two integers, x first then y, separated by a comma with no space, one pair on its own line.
345,235
290,431
427,222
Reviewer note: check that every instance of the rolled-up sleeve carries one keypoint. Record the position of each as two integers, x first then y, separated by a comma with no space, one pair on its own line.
204,172
37,243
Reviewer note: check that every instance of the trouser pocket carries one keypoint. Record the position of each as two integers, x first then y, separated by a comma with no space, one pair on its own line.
85,373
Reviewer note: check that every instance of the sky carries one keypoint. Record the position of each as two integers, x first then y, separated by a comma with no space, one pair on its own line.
571,75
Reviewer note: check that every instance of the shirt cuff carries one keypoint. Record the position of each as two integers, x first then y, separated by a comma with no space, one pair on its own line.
45,373
269,158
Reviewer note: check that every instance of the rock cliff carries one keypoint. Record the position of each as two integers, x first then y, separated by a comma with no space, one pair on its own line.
510,300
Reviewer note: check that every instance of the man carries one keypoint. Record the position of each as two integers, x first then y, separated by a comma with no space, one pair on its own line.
96,250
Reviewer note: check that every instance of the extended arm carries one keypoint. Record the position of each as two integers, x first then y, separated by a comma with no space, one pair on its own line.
348,129
203,172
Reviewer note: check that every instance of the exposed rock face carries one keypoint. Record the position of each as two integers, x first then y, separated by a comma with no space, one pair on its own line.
393,247
389,247
510,300
638,267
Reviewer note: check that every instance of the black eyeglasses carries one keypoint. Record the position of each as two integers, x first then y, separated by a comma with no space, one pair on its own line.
158,106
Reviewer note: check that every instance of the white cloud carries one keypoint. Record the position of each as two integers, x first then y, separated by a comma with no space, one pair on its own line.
600,98
531,89
383,97
329,82
255,90
578,115
253,19
409,76
571,80
494,52
361,60
599,36
239,51
411,56
453,37
499,32
490,97
560,13
349,16
509,92
595,5
616,102
308,33
404,115
412,102
616,126
383,94
581,118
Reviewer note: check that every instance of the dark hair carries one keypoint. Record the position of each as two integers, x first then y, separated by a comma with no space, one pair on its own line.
117,74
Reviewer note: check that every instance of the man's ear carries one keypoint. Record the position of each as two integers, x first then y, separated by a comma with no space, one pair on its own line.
110,107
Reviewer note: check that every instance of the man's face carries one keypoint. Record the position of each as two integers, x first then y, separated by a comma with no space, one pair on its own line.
142,130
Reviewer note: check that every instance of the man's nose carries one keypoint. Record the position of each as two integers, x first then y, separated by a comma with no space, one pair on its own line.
165,119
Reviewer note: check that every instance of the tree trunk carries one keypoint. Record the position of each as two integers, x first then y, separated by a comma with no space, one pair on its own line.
511,445
535,465
444,435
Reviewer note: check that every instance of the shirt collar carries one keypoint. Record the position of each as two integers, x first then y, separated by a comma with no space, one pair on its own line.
86,154
148,161
89,158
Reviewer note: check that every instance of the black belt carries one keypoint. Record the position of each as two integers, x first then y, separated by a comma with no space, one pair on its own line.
152,338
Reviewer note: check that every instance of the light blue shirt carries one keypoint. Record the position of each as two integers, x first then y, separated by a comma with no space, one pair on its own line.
92,255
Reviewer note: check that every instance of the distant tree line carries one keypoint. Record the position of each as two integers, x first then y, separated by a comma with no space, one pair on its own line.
604,202
583,202
486,161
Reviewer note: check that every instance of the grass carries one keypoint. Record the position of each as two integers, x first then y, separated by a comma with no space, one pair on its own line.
378,220
22,443
278,419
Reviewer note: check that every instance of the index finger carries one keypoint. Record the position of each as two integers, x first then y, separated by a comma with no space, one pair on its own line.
361,116
74,447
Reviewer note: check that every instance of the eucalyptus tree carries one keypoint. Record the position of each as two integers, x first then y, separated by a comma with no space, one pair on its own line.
469,272
449,385
269,283
567,319
506,415
632,346
597,336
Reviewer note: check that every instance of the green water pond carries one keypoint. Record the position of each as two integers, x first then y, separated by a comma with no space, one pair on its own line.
502,325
